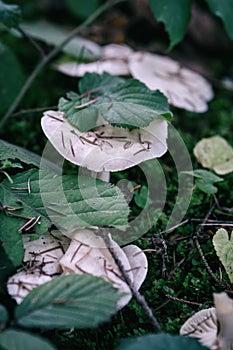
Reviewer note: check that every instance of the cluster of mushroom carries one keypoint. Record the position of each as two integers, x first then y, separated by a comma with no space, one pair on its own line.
183,87
213,327
53,254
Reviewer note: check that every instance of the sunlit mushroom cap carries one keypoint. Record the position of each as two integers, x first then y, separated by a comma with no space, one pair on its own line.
183,87
22,283
203,326
117,148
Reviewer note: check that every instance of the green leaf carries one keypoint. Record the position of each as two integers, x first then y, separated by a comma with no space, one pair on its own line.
175,15
83,8
85,119
10,238
80,301
10,151
223,244
3,316
10,15
11,78
127,104
223,9
141,197
94,83
12,339
54,35
7,269
69,201
205,180
161,342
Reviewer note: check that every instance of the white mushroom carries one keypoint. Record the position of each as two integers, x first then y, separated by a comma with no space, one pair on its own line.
43,254
116,149
183,87
116,51
203,326
224,310
75,69
41,260
138,263
113,60
22,283
213,327
88,253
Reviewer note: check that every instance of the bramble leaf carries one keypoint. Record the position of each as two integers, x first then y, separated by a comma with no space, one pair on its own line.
128,104
80,301
68,201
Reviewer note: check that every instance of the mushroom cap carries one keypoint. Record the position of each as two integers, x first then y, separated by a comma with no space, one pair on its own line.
113,61
88,253
75,69
203,326
117,149
215,153
44,253
116,52
138,263
22,283
224,311
183,87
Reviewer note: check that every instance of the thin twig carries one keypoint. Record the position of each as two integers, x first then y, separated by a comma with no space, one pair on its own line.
137,295
183,301
198,246
32,41
52,54
32,110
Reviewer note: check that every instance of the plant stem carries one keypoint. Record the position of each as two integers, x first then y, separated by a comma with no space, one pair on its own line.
52,54
137,295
